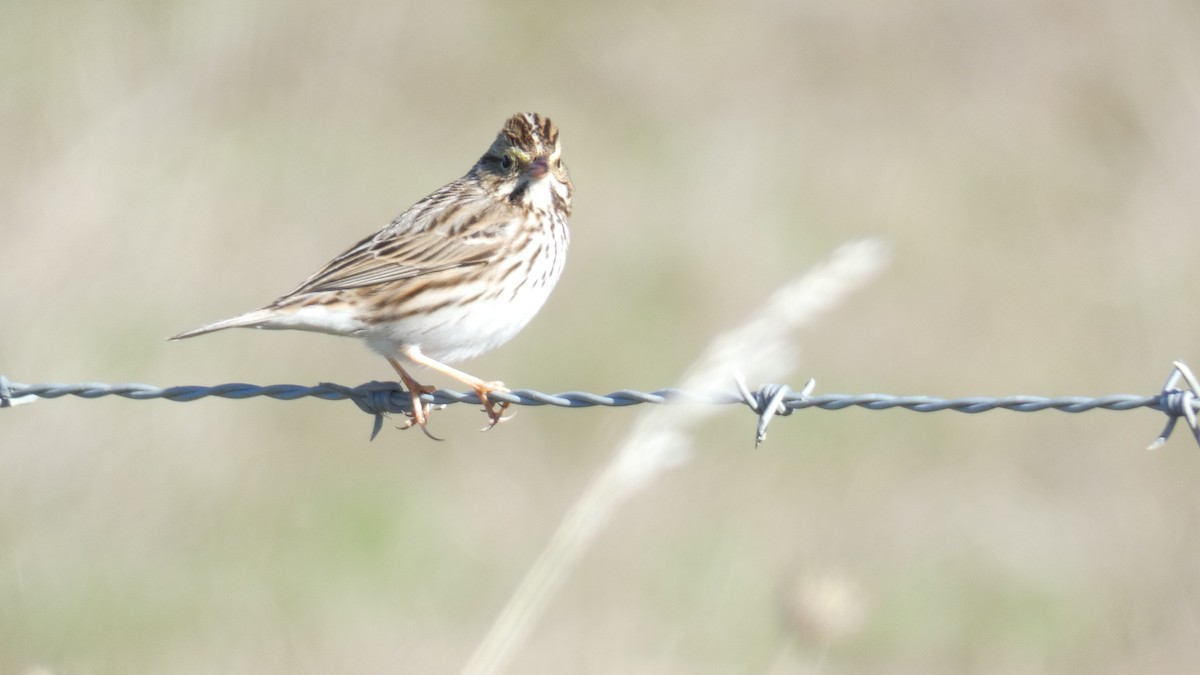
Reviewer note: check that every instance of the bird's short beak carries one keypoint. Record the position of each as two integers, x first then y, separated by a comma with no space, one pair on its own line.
538,167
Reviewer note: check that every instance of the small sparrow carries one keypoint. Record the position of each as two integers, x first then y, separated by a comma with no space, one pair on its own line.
457,274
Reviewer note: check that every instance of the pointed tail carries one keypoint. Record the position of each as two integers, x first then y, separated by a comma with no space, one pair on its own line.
248,320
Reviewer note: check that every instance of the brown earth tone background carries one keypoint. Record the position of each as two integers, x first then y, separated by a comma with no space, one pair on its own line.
1034,167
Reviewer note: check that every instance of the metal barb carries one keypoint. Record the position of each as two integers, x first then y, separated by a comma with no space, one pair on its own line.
768,402
1176,403
7,400
378,402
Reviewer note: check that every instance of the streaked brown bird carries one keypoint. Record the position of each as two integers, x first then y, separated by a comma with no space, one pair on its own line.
459,273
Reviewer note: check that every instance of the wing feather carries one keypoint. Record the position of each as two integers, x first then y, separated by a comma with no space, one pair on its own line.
455,227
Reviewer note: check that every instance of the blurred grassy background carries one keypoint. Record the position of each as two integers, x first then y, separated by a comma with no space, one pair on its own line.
1034,166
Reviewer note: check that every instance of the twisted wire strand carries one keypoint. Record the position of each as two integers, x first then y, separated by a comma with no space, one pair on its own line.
582,399
382,398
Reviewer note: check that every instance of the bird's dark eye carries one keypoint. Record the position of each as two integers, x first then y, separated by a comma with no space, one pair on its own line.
506,162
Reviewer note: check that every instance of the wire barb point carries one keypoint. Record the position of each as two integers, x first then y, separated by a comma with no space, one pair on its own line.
1176,403
7,400
379,399
768,402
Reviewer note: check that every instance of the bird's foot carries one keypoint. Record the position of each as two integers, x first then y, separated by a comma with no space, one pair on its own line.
494,409
419,416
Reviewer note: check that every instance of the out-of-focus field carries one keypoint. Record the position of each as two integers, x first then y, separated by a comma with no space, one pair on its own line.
1034,166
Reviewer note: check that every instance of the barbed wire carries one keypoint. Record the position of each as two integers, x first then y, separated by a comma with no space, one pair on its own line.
383,398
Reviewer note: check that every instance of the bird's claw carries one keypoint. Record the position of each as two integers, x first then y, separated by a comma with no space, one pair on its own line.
496,414
494,409
419,416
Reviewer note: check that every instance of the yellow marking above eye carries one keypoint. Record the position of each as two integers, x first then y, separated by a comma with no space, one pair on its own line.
519,155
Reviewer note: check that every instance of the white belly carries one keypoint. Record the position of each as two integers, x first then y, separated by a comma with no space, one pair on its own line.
450,335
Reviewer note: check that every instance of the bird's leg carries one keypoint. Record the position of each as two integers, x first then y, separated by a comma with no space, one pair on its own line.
420,409
494,409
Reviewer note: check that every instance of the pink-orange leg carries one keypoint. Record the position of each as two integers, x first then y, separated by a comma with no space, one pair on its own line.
494,409
420,409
